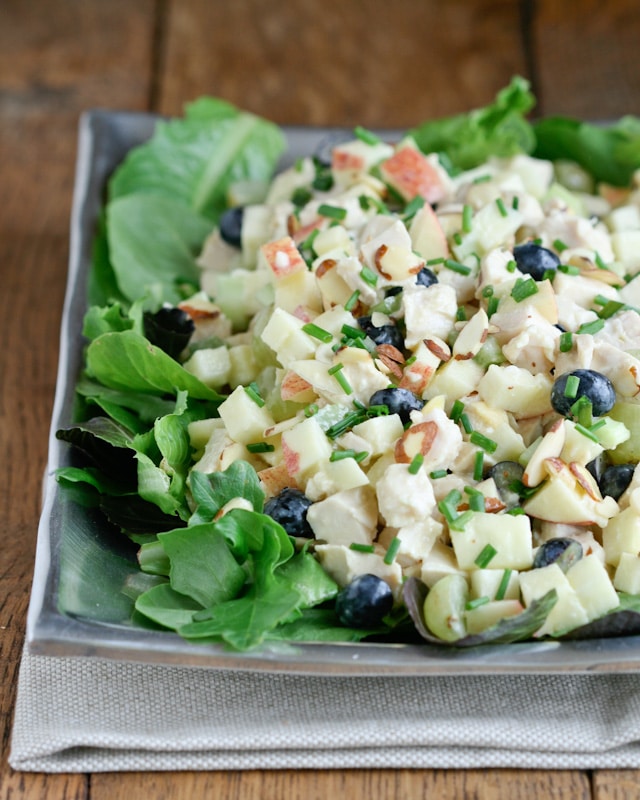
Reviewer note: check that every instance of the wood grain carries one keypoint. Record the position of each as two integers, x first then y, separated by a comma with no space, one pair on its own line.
609,784
319,785
586,57
370,62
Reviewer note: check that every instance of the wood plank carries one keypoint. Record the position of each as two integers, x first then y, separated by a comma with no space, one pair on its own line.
616,784
586,57
320,784
57,58
368,61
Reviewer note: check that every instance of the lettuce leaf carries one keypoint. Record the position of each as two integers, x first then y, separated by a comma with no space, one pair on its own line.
499,129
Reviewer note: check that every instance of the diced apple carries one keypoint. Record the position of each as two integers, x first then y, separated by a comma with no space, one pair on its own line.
516,390
344,565
284,335
455,379
332,477
413,174
622,535
441,561
627,575
591,582
510,536
568,611
427,235
211,365
485,616
299,290
282,257
346,517
244,419
304,447
295,388
201,430
244,368
416,540
404,497
275,479
486,582
577,446
380,433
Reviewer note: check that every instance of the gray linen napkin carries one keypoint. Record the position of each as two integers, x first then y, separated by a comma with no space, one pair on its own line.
89,715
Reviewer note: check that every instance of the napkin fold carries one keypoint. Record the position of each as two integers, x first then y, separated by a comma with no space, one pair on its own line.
91,715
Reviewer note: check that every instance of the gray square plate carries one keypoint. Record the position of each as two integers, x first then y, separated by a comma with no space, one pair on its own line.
79,605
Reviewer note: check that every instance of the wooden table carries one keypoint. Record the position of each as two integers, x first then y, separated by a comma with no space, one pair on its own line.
372,62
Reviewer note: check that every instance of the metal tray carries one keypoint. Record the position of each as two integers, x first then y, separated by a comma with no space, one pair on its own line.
78,606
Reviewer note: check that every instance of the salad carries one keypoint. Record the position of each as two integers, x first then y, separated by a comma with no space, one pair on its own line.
390,393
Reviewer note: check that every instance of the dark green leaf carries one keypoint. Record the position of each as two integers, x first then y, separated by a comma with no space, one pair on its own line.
212,491
167,607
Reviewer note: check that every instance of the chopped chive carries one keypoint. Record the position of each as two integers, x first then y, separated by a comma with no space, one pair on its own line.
597,425
411,360
488,291
599,262
467,217
348,421
478,465
339,455
501,207
456,410
360,456
352,301
600,300
416,463
571,387
548,275
610,308
366,136
332,212
504,583
336,371
354,333
591,327
448,507
477,502
461,314
482,179
524,288
433,261
486,555
260,447
582,410
438,473
458,524
392,551
586,432
368,276
560,246
516,511
413,206
492,305
317,332
311,409
456,266
483,441
308,242
362,548
566,341
380,410
457,238
515,203
477,602
299,164
254,393
511,266
569,269
466,422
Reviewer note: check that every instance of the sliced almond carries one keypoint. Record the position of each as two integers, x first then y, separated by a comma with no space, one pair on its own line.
472,336
549,448
392,358
416,439
438,348
586,480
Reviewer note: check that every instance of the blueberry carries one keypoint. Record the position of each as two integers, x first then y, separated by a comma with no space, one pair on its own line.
382,334
426,277
289,508
398,401
230,226
534,260
593,386
562,551
364,602
505,474
615,479
170,329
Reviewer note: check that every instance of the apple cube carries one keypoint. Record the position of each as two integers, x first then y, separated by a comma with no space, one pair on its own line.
244,368
480,618
351,159
403,497
299,290
244,419
486,582
275,479
412,174
455,379
284,335
344,565
380,433
334,238
510,536
416,540
304,447
427,235
282,257
621,535
201,430
345,517
440,562
335,476
627,575
211,365
516,390
568,611
591,582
